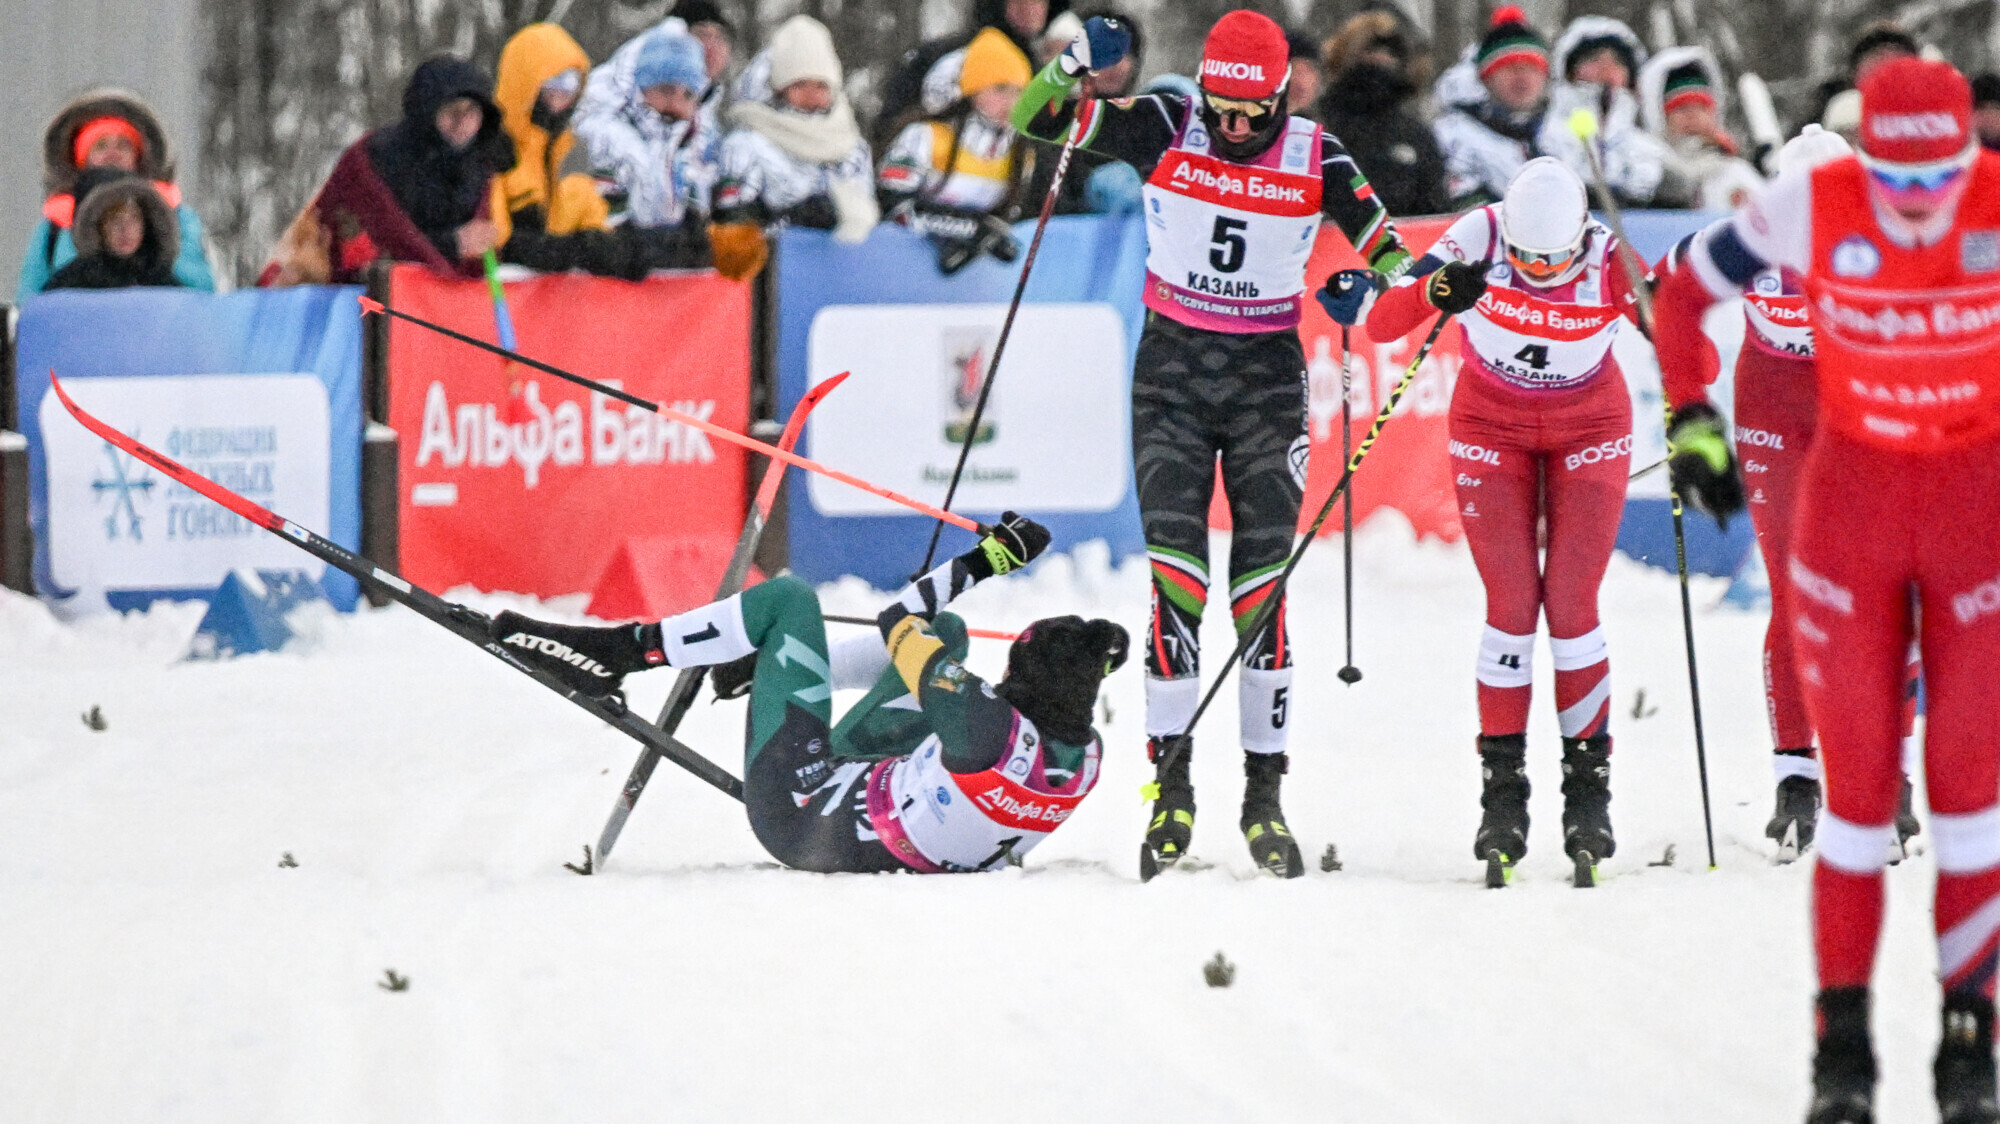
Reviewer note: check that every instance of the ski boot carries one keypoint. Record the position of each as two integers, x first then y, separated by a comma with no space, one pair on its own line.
1963,1075
1167,837
1795,817
1907,827
1503,829
1844,1063
1263,823
1587,806
591,661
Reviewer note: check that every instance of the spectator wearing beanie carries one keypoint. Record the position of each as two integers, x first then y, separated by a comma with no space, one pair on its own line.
954,176
420,190
794,153
106,129
925,82
1493,121
717,35
125,235
1680,93
1986,109
642,124
1375,71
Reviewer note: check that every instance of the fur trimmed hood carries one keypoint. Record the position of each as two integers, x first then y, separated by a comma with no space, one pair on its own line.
59,169
1653,80
163,242
1587,29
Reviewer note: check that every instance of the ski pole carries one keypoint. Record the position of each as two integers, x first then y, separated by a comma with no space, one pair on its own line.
981,633
1178,743
1583,123
671,414
1349,674
503,328
1000,345
688,683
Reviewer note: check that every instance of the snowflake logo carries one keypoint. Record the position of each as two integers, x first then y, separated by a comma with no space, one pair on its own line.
120,485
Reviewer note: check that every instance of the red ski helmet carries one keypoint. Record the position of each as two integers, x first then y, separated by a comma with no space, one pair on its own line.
1246,56
1915,111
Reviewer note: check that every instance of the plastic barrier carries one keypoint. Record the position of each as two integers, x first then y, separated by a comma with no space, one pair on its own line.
540,493
260,390
1055,440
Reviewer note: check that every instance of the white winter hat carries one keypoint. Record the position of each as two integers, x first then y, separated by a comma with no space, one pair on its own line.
1543,218
802,49
1811,148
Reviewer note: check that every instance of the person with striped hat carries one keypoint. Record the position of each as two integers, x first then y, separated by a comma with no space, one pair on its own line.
1898,250
1490,129
1236,188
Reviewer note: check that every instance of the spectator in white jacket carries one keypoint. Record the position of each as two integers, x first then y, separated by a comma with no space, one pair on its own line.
794,154
1680,92
1501,110
641,123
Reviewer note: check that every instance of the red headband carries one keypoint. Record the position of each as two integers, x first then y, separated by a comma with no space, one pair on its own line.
99,128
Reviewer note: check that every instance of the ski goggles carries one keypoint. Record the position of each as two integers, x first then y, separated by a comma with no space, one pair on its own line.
1542,266
1932,176
1221,106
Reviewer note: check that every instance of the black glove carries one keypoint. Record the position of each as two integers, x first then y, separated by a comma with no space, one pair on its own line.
589,661
1009,545
1456,287
732,680
1701,462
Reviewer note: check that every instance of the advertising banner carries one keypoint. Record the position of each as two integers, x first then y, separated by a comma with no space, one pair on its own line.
516,480
1055,440
259,391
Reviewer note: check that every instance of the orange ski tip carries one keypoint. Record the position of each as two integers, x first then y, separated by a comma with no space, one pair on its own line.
369,305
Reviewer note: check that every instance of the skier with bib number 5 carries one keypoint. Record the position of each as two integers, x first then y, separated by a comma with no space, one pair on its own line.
1235,191
934,771
1898,247
1541,430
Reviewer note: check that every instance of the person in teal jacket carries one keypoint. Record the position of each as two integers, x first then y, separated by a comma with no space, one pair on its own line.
106,129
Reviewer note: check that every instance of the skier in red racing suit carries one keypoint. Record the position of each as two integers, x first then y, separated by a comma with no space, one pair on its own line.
1899,251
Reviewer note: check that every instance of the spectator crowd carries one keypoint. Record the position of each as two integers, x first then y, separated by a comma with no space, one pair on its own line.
668,154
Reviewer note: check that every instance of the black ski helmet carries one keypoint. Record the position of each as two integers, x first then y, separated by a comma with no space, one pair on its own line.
1054,669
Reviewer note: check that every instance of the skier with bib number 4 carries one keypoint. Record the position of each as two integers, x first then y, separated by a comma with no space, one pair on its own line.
934,771
1898,247
1235,192
1541,430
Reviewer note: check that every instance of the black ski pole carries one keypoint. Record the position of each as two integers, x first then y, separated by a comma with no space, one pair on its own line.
1000,347
1583,123
1178,743
1349,674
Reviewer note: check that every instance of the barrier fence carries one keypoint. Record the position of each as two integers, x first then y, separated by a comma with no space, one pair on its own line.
505,479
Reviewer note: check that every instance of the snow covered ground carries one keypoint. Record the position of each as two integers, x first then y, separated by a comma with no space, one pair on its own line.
161,965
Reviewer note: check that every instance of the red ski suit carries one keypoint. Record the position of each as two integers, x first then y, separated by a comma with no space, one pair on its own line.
1893,535
1777,404
1541,430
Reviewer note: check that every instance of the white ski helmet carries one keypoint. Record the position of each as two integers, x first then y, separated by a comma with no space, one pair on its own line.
1811,148
1543,219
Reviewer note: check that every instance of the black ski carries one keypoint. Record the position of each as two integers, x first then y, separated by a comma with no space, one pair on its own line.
469,624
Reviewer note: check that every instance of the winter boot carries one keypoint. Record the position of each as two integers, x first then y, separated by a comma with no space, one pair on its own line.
1963,1075
1844,1063
590,661
1503,829
1167,837
1263,823
1587,805
1795,817
1907,827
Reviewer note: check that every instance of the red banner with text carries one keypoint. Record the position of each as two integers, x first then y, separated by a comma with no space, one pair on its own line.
512,479
1409,468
